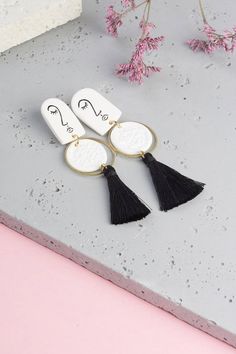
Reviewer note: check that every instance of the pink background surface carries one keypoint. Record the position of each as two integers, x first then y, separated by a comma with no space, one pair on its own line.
50,305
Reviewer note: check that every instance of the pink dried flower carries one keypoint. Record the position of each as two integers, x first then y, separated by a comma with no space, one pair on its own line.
199,45
149,43
113,21
136,69
128,3
209,31
146,27
227,41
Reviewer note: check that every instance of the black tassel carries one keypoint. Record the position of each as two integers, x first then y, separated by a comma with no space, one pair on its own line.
173,189
124,203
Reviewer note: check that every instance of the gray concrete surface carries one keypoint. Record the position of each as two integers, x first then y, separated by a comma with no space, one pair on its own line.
182,261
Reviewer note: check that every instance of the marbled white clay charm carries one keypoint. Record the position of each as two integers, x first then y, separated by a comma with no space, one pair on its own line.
94,110
61,120
90,156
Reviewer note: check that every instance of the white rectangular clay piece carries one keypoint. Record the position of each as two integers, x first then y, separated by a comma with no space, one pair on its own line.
61,120
94,110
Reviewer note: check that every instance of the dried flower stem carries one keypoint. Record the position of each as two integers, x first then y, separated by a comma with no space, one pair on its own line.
136,69
202,12
206,22
122,14
226,40
147,14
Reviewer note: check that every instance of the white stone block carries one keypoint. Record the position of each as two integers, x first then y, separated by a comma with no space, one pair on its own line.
21,20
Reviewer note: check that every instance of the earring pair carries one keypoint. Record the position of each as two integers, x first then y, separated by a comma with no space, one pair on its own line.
90,156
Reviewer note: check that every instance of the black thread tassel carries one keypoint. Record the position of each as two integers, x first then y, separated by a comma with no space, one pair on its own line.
124,203
173,189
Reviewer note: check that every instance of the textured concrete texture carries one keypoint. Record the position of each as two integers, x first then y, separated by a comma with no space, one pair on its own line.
21,20
183,260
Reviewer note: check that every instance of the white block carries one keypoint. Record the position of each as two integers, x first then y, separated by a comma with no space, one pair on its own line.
21,20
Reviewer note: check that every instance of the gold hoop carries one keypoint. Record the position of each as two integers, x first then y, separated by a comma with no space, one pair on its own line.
96,172
141,154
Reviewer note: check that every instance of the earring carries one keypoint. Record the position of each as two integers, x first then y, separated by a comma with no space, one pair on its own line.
133,139
90,156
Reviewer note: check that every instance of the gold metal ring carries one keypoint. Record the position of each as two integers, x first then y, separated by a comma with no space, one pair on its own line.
151,148
100,170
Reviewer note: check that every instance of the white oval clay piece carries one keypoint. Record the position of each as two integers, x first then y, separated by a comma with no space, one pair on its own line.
61,120
87,156
131,138
95,110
